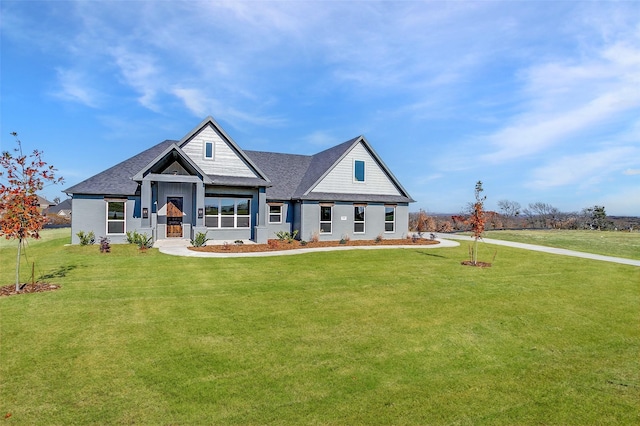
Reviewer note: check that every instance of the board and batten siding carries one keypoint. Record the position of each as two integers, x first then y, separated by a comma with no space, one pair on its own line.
225,161
341,178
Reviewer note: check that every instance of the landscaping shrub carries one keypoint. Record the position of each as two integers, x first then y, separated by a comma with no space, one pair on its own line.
86,239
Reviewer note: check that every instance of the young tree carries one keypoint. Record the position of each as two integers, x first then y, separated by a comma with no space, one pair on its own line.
22,177
477,219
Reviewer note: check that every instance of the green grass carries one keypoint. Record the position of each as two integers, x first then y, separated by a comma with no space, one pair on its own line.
608,243
398,336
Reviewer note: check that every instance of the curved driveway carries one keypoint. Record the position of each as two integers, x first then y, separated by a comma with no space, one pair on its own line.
544,249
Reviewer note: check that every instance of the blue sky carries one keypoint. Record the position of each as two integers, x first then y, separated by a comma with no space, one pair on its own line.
539,100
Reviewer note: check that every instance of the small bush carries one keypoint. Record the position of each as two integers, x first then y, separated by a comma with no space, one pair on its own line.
200,239
287,236
143,241
105,245
379,238
86,239
238,242
315,237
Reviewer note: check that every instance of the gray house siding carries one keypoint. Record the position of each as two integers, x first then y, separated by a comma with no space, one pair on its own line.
342,223
287,223
90,215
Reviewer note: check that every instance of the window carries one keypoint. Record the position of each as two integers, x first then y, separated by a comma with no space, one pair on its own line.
227,212
275,213
116,217
325,219
208,150
358,219
211,212
389,218
358,171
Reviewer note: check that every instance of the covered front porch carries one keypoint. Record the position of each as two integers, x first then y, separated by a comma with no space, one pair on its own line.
178,201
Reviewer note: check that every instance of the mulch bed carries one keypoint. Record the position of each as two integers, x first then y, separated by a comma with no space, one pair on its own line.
477,264
10,290
277,245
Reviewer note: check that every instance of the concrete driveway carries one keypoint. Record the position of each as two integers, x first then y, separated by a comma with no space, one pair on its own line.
544,249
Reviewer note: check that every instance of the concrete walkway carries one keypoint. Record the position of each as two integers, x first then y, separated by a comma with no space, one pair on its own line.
544,249
180,248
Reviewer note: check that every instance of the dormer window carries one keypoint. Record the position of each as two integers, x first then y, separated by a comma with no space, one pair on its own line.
358,171
208,150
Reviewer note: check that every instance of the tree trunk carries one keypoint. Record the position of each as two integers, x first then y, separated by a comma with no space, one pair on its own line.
18,266
475,252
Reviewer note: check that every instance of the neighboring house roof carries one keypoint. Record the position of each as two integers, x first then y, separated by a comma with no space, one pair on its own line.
65,205
62,209
43,202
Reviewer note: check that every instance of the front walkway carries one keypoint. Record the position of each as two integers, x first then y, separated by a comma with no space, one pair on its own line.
180,248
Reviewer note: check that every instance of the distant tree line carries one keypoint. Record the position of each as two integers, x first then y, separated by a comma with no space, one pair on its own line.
512,215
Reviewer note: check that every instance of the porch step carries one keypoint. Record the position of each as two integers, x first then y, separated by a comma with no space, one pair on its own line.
172,242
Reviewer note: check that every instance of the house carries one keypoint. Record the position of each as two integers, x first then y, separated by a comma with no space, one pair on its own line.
63,209
43,204
205,182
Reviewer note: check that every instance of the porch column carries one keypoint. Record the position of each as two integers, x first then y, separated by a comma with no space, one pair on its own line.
260,233
262,207
199,204
145,203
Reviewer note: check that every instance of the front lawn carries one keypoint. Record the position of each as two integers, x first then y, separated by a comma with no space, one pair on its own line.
398,336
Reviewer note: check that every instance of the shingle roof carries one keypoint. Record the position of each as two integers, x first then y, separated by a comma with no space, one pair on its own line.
295,175
291,176
117,179
64,205
285,171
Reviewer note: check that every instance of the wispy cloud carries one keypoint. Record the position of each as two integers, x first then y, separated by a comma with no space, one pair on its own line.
75,86
631,172
583,169
563,99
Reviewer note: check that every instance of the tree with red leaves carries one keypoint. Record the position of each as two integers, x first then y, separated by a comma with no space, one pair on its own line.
21,177
477,219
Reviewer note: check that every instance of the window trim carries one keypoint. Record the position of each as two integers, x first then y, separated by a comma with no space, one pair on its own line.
204,151
355,171
279,214
393,222
123,220
330,221
363,221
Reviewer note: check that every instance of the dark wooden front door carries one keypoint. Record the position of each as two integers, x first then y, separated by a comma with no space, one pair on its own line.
174,217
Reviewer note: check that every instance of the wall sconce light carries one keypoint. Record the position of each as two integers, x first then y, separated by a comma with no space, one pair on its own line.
145,213
200,213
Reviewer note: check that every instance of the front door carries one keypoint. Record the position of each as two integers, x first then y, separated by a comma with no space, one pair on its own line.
174,217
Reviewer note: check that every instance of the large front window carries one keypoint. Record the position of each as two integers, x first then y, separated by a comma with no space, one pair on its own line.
225,212
325,219
358,219
389,219
116,217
